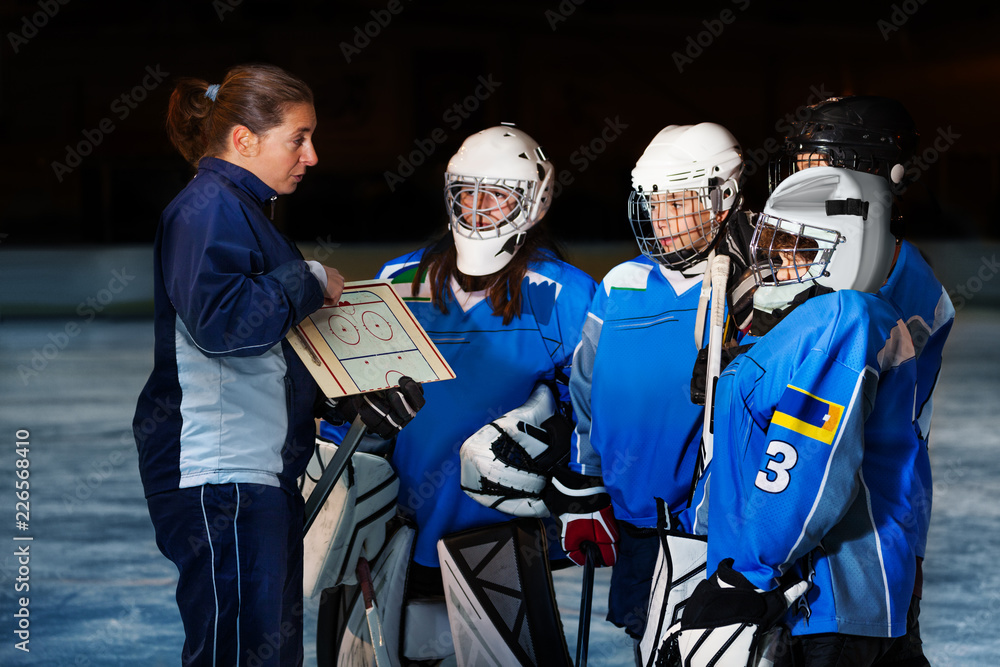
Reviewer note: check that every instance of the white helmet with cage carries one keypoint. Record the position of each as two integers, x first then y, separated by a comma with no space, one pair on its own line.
683,186
826,226
497,186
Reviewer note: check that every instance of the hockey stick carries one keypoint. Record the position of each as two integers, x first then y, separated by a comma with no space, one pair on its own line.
333,472
371,613
720,276
706,291
583,632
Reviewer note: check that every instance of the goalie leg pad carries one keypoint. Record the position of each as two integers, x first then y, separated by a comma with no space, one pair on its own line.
428,632
501,604
680,567
351,523
342,636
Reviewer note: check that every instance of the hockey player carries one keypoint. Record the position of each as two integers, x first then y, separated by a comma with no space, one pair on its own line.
878,136
638,432
506,313
813,480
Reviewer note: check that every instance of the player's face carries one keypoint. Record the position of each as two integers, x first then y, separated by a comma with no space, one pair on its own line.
285,151
807,160
792,266
680,220
489,207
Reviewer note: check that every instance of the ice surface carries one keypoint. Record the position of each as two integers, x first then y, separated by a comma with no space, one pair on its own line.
101,593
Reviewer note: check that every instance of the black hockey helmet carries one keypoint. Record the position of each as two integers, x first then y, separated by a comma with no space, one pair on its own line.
865,133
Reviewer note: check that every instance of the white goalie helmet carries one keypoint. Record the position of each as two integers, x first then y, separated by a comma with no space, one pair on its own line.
827,226
497,186
685,183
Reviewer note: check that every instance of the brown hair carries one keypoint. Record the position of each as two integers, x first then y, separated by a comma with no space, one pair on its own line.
255,96
503,288
776,239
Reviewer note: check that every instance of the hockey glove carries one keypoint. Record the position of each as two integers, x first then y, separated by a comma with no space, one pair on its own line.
506,464
383,412
583,508
726,619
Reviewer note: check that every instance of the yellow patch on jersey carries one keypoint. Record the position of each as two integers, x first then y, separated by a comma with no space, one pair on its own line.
808,415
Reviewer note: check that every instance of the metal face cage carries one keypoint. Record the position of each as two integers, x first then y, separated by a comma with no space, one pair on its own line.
807,251
675,229
481,208
803,156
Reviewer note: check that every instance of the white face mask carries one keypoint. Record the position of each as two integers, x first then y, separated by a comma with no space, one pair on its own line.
484,257
769,298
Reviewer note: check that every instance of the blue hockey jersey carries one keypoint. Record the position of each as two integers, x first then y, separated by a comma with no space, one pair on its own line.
636,425
929,314
496,366
814,464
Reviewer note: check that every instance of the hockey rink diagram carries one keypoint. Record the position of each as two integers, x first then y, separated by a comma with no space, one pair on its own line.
366,342
363,327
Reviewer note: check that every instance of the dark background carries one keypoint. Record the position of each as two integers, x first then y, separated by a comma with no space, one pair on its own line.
565,72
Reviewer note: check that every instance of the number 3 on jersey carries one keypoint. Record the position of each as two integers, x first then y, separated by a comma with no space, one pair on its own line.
774,478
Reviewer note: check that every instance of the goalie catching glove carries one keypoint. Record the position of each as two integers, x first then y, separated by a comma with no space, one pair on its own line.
506,464
582,506
384,412
726,619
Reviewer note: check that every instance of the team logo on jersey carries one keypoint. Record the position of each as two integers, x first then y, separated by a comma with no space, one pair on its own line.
808,415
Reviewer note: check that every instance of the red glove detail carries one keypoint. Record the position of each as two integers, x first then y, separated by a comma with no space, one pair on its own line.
598,528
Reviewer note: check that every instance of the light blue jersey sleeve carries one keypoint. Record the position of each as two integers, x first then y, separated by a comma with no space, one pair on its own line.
929,315
583,457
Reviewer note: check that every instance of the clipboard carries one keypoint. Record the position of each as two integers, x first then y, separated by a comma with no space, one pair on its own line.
366,343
